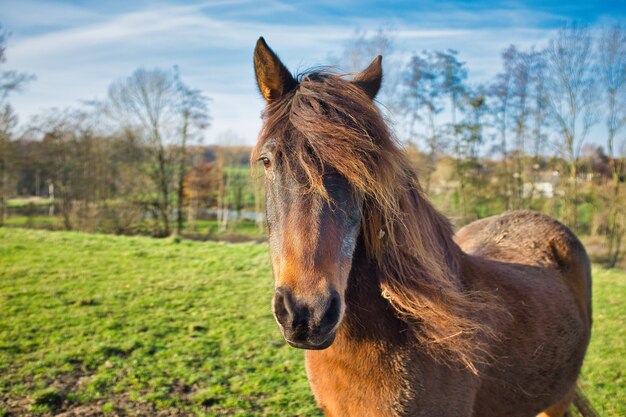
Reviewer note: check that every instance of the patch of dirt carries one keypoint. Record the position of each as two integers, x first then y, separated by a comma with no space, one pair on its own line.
55,398
122,406
117,406
14,406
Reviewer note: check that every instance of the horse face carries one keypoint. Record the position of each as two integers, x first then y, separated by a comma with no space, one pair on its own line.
312,240
312,237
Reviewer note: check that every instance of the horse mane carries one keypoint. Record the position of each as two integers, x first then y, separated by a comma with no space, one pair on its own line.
327,123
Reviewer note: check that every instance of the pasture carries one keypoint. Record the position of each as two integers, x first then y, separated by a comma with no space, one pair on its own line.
104,325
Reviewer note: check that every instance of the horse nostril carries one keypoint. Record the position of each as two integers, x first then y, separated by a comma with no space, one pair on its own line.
331,315
281,309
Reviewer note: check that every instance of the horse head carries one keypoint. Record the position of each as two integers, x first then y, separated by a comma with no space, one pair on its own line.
313,211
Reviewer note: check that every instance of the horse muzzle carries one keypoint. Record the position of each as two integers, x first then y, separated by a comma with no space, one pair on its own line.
308,324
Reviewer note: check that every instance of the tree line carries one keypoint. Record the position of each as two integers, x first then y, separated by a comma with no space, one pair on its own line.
134,163
520,140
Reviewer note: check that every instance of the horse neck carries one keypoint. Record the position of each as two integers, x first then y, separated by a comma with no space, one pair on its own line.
368,314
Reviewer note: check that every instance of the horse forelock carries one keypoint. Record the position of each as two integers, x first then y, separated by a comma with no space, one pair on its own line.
328,123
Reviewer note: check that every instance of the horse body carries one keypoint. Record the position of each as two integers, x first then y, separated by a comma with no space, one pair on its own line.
398,316
375,369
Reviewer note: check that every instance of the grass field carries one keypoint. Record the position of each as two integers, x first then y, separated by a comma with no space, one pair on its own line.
105,325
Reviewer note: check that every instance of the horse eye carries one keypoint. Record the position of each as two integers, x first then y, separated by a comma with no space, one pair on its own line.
266,161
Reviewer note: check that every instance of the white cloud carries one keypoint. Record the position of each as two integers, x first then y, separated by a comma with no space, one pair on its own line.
76,53
214,54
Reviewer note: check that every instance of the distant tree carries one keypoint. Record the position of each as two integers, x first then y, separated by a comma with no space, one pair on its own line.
518,103
422,103
227,164
518,65
571,96
454,75
468,168
67,157
538,110
611,49
164,110
499,94
359,51
238,186
8,121
199,189
537,64
148,100
194,115
10,82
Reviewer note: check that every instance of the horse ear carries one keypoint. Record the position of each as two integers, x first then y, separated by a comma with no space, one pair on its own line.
371,77
272,77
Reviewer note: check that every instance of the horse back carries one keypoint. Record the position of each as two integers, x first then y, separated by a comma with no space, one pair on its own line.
536,240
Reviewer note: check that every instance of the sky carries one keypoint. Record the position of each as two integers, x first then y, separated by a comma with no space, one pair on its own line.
76,49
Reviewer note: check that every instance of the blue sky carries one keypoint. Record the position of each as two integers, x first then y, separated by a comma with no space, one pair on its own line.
77,48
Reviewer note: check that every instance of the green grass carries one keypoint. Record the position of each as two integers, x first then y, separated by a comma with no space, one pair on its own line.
603,376
210,228
35,222
24,202
87,318
243,228
158,327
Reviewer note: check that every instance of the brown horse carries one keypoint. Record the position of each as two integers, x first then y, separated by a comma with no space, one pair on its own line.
398,316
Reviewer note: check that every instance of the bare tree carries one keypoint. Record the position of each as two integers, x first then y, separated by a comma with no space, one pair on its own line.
224,159
518,102
538,112
454,75
500,94
612,60
10,82
467,164
194,115
518,65
222,196
422,102
8,121
69,161
167,112
361,49
571,96
147,99
200,188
